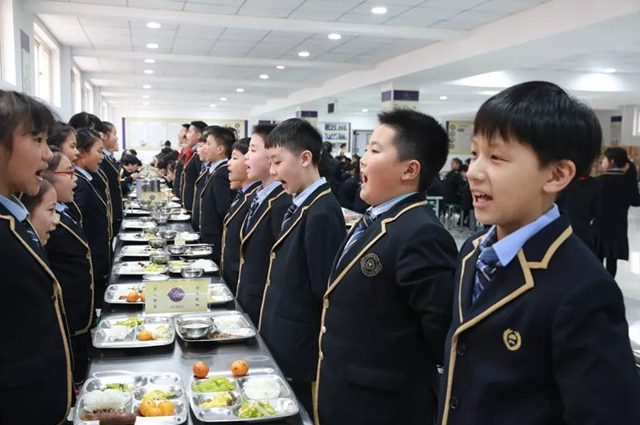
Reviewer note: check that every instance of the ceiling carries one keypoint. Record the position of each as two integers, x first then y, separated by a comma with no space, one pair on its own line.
207,49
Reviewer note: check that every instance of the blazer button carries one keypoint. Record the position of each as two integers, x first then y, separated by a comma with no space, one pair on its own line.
453,403
462,350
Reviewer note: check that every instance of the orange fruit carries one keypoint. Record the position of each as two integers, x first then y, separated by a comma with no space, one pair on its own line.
145,406
167,408
200,370
132,297
145,336
239,368
154,411
142,296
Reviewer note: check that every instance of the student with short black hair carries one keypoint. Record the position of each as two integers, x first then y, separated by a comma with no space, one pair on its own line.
42,212
200,181
109,168
539,334
387,308
35,359
312,229
86,120
180,160
129,173
63,137
244,189
216,195
192,164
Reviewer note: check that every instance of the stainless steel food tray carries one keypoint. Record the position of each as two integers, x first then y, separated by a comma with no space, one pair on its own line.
242,332
101,338
219,293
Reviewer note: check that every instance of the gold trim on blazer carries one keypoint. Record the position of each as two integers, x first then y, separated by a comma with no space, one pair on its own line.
204,189
77,208
182,181
272,254
528,284
195,186
338,279
107,191
59,307
116,170
79,175
228,218
244,238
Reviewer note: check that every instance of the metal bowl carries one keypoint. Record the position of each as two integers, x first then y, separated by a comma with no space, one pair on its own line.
195,328
177,249
145,219
161,219
167,234
157,243
155,277
159,257
144,203
192,272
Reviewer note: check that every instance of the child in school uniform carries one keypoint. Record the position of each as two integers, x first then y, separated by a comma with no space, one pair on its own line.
109,168
581,201
300,261
387,308
261,226
216,195
192,164
232,223
182,158
200,181
618,192
94,208
539,333
70,257
35,360
42,212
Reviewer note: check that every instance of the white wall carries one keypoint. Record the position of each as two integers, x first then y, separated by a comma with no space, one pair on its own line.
628,138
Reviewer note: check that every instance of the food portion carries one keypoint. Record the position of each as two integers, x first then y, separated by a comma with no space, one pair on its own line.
118,332
223,399
148,407
213,385
159,395
159,332
240,368
115,417
261,388
256,409
125,388
145,336
109,399
131,322
200,370
230,322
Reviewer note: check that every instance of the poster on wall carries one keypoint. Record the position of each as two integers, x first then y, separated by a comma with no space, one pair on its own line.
616,130
460,136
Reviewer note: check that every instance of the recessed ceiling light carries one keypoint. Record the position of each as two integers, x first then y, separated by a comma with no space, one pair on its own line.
150,61
609,70
303,54
489,92
145,103
146,86
280,66
152,46
154,25
334,36
239,90
379,10
213,105
365,110
148,71
264,77
443,98
145,96
223,99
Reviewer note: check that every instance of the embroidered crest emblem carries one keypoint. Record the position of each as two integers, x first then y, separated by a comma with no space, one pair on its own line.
370,265
512,339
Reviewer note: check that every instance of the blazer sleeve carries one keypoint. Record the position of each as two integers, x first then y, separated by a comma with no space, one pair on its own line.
222,194
323,235
592,359
426,266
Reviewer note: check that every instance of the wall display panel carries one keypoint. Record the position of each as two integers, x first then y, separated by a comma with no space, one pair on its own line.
460,136
338,133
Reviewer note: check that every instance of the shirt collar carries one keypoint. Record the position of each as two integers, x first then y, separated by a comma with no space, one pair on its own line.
107,153
386,206
84,173
217,164
302,196
194,147
15,207
507,248
61,207
262,194
246,188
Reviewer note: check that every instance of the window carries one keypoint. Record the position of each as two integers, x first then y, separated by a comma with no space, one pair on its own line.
88,98
76,88
7,44
43,69
636,122
104,114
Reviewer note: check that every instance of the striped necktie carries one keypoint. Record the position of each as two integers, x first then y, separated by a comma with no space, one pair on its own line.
252,210
290,211
486,266
32,234
239,195
367,219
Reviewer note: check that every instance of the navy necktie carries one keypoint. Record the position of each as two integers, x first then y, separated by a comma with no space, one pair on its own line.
32,234
252,210
239,195
290,211
367,219
486,266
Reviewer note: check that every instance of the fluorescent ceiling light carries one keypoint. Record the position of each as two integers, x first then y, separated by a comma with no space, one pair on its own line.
150,61
489,92
609,70
334,36
239,90
379,10
303,54
264,77
223,99
213,105
280,66
152,46
145,96
153,25
146,86
365,110
145,103
148,71
443,98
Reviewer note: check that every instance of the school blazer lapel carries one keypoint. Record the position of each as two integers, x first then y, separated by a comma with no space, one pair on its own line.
232,212
80,176
366,241
260,213
204,189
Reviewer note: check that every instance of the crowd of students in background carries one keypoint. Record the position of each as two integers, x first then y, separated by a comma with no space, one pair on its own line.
524,320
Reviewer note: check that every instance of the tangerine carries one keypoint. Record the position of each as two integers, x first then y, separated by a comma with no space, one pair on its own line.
167,408
146,405
239,368
142,296
200,370
132,297
145,336
154,411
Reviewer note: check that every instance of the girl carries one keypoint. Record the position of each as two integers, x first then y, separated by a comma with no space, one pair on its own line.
70,256
63,137
95,222
619,191
35,360
42,211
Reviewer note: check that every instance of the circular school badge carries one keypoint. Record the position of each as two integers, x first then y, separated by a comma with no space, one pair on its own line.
370,265
512,339
176,294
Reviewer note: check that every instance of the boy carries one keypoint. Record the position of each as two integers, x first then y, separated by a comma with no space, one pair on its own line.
245,189
387,308
192,164
182,140
110,169
200,181
216,195
539,334
312,229
261,226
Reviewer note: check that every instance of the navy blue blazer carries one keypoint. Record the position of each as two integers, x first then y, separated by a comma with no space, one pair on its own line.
214,203
385,319
189,176
115,190
255,247
546,342
177,182
70,258
101,184
200,183
300,264
231,225
35,360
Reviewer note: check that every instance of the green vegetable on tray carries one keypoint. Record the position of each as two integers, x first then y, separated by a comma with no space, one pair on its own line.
159,395
153,268
131,322
120,387
214,384
256,409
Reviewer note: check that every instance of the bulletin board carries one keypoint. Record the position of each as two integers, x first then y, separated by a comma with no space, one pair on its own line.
149,134
460,136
